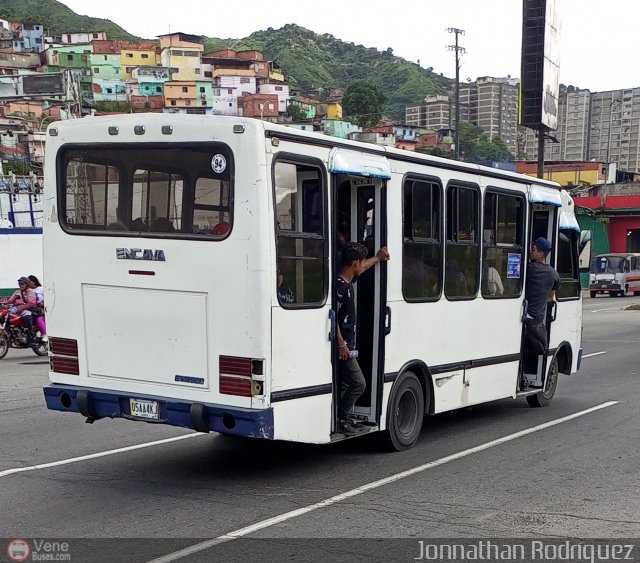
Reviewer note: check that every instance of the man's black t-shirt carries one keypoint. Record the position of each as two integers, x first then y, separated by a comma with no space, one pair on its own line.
541,280
346,312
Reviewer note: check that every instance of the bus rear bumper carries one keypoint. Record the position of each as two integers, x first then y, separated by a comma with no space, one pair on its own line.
95,404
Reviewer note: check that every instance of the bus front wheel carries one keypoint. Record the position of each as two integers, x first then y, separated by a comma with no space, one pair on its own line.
406,412
593,294
543,398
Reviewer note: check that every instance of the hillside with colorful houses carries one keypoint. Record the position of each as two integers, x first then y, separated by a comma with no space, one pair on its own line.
47,78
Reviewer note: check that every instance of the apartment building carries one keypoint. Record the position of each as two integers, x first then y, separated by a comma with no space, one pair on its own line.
434,113
491,103
615,128
600,126
571,140
498,109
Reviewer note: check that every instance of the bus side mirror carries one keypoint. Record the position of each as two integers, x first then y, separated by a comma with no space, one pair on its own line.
584,251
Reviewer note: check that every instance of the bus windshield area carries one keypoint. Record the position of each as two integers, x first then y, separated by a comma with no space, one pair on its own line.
608,264
140,191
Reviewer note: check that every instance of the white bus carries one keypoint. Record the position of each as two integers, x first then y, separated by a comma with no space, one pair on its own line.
164,238
615,273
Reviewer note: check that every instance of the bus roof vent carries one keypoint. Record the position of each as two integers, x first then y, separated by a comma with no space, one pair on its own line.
139,129
167,129
113,130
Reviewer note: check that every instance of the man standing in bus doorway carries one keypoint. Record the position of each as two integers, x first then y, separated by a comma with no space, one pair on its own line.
540,289
352,382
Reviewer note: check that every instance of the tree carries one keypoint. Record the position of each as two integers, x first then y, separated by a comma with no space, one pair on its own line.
296,113
475,145
362,104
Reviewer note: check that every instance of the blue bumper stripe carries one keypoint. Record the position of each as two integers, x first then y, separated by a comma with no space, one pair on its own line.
110,404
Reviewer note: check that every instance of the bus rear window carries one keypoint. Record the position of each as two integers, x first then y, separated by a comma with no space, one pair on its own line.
147,191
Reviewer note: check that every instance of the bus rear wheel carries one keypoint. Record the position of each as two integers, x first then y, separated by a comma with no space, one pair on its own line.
543,398
406,412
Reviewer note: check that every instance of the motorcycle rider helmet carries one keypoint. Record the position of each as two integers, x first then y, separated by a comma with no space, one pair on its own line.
23,280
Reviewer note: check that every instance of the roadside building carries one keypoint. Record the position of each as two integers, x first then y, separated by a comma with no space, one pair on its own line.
262,106
18,63
133,56
181,53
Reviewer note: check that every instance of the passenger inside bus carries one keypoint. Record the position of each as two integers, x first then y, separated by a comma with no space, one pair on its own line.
492,279
285,293
221,229
161,225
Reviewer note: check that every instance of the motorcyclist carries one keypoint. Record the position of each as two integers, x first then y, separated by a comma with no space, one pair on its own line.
23,300
38,310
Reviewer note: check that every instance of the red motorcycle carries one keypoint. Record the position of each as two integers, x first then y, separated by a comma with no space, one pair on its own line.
14,334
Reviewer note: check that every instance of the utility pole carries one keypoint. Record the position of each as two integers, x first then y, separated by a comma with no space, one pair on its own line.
458,50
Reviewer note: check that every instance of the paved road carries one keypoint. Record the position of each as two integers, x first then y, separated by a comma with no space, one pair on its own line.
577,478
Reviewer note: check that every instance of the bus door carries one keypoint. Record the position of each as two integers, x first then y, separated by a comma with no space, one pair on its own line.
360,213
543,219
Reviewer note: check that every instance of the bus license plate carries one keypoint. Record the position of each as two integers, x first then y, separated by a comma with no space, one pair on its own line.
144,409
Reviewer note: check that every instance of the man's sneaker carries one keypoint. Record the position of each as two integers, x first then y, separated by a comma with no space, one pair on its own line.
346,427
356,423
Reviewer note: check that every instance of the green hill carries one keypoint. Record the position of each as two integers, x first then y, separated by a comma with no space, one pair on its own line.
312,63
57,18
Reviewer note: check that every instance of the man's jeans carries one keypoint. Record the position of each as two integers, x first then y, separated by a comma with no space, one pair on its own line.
536,336
352,385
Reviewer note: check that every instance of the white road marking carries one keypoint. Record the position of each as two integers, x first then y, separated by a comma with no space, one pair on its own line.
368,487
96,455
594,354
609,309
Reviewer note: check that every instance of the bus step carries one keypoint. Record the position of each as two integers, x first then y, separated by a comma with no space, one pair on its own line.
528,392
339,436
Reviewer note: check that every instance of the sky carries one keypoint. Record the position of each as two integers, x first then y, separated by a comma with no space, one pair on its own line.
597,49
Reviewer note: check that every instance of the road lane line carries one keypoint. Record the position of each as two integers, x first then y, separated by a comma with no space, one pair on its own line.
97,455
241,532
592,355
609,309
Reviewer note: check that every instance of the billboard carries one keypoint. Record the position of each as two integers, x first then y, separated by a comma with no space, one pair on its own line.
539,85
43,83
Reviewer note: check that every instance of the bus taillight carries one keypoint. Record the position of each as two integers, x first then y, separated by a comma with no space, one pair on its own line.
64,365
64,358
63,346
238,376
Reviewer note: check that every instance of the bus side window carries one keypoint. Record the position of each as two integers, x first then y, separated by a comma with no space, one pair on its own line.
299,202
462,256
422,240
503,249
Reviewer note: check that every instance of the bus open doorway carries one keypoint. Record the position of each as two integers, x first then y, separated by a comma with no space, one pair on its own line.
359,213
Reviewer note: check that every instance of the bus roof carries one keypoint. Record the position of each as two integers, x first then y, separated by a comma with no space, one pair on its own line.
284,132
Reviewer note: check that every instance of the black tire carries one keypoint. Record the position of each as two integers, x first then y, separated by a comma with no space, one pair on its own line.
406,413
4,345
613,294
622,293
543,398
636,292
593,294
42,349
